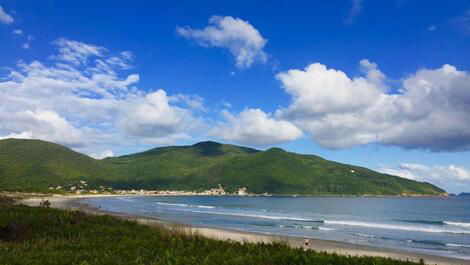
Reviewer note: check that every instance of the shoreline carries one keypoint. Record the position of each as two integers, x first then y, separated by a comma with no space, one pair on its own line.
187,193
72,202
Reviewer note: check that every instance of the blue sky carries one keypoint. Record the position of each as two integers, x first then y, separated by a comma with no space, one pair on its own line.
382,84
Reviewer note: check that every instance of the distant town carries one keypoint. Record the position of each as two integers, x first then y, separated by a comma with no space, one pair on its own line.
81,187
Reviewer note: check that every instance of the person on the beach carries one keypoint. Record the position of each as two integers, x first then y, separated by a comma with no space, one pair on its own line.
305,244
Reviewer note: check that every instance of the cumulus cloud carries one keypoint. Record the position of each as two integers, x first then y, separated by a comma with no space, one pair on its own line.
18,32
338,111
21,135
451,178
238,36
5,18
154,117
102,155
256,128
193,101
356,8
82,98
41,124
85,95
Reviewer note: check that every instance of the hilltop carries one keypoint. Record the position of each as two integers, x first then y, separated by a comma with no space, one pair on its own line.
34,165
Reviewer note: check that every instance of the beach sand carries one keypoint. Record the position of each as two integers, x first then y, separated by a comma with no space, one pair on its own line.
73,203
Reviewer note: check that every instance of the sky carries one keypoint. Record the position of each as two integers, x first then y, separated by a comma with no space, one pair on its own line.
380,84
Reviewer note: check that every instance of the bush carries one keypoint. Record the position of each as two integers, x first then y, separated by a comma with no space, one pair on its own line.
31,235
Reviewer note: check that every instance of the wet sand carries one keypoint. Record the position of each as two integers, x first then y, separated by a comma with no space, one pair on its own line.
73,203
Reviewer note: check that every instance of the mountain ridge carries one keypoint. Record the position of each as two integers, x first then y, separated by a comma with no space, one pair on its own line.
35,165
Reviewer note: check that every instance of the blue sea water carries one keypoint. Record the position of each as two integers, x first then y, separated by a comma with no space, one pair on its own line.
439,226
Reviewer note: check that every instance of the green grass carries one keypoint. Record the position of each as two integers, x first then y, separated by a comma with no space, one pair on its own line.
43,236
33,165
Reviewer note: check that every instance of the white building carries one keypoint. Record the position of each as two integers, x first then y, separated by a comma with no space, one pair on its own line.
242,191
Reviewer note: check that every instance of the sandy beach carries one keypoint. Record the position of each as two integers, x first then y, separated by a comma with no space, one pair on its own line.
74,203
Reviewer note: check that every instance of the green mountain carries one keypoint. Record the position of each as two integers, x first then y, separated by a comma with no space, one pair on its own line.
36,165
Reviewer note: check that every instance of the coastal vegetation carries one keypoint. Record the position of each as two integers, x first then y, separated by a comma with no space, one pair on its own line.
34,165
34,235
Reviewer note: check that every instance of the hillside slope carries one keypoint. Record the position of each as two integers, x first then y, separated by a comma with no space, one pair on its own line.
275,171
33,164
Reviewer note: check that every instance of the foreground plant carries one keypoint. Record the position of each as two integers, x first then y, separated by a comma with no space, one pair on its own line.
30,235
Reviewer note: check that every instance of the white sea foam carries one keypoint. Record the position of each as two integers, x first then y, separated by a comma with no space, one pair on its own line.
186,205
307,227
262,216
125,199
326,228
457,245
205,206
363,235
173,204
457,224
416,228
427,229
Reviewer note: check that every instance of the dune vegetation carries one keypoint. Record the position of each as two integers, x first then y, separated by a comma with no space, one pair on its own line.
40,235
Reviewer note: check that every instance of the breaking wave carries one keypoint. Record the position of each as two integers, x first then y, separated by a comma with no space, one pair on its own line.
464,224
457,245
186,205
263,216
427,229
297,226
457,224
427,226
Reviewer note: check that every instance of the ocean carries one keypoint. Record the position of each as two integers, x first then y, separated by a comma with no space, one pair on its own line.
438,226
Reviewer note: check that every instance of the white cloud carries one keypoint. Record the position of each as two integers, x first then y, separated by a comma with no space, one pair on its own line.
82,99
238,36
127,55
452,178
85,97
153,117
102,155
430,111
5,18
463,22
356,8
76,52
29,39
21,135
224,104
319,90
432,28
256,128
193,101
18,32
41,124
